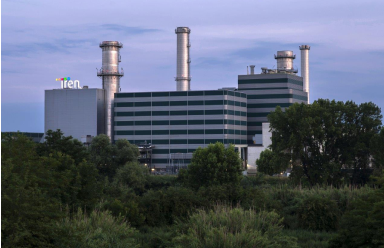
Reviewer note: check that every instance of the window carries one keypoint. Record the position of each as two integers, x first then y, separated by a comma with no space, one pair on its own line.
195,122
124,132
214,102
142,123
159,94
160,142
196,112
210,122
142,104
194,103
178,103
143,113
124,113
124,104
214,112
178,93
214,131
160,132
124,123
178,131
179,122
143,132
196,131
160,103
144,94
196,141
178,112
160,122
160,113
179,141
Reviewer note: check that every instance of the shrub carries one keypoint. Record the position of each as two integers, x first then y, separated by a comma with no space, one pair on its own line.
234,227
318,213
99,229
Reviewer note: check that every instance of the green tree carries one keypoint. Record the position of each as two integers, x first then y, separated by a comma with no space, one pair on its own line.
108,157
363,224
213,165
272,163
133,175
323,137
56,142
377,149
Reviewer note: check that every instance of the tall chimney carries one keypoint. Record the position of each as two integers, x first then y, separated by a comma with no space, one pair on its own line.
285,60
252,69
110,75
305,67
183,77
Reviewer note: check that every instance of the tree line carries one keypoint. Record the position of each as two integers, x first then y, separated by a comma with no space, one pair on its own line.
61,194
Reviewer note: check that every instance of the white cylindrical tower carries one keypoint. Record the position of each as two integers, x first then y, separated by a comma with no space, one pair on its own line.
305,67
110,74
285,60
183,77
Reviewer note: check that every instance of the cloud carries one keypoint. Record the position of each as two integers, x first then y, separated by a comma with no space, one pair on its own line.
126,29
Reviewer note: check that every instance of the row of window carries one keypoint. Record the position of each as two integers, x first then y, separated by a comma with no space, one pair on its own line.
269,105
274,96
190,141
181,122
264,114
177,132
271,80
182,112
181,93
181,103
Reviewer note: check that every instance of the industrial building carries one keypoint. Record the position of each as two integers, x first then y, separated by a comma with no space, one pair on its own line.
169,126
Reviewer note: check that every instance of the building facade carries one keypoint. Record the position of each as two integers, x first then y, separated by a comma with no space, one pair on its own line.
176,123
76,112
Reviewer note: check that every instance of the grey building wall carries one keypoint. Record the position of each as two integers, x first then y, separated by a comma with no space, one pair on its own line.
180,121
264,93
76,112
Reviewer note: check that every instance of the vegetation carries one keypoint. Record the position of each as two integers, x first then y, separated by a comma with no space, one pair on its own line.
61,194
319,139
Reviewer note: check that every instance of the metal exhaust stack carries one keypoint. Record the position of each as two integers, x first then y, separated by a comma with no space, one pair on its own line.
183,78
110,75
252,69
305,67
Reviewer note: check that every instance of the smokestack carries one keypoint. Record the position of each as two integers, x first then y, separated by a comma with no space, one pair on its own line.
305,67
183,77
252,69
285,60
110,75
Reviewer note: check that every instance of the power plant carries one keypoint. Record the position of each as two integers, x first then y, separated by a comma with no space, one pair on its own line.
171,125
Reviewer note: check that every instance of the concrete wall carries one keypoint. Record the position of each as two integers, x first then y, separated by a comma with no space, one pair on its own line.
76,112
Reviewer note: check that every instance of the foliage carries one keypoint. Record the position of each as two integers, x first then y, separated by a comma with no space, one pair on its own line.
377,146
56,142
234,227
133,175
325,136
99,229
272,163
363,224
213,165
310,239
317,213
108,157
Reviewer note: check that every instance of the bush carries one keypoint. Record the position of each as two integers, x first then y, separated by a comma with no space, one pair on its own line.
363,223
100,229
318,213
234,227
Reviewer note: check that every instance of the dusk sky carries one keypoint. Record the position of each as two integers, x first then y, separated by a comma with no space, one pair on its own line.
43,40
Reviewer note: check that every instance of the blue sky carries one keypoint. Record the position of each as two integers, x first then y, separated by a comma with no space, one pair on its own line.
43,40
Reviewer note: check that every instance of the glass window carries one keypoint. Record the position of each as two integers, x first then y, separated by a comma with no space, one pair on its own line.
214,102
196,131
179,141
213,131
210,122
124,104
194,103
195,112
196,141
143,132
124,132
178,112
213,141
195,93
160,142
142,123
123,95
143,113
178,131
124,123
160,103
213,92
179,150
158,113
178,93
214,112
159,94
178,103
160,151
160,132
124,113
195,122
179,122
143,94
142,104
160,122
